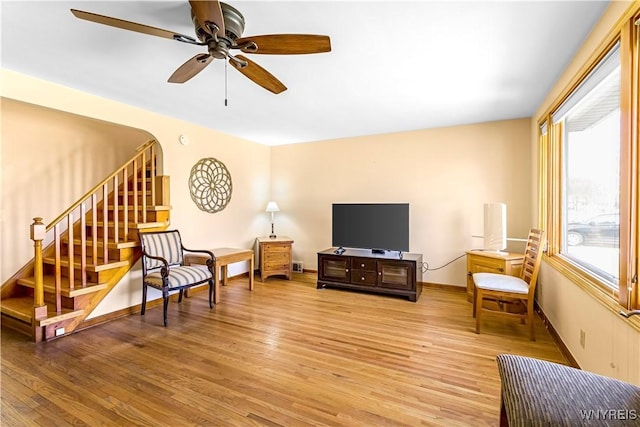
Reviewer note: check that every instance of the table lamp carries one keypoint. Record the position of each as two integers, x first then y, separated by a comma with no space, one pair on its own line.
272,207
495,226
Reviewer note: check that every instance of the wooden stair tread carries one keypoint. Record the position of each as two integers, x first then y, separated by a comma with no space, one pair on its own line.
18,307
130,192
21,308
131,225
149,208
49,283
89,266
110,243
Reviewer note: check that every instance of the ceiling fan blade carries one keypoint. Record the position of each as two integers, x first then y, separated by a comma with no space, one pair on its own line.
208,11
190,68
285,44
258,75
131,26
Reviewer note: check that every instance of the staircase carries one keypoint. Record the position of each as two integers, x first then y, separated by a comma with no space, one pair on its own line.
81,255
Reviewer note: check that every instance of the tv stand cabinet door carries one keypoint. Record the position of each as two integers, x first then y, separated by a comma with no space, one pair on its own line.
334,268
397,275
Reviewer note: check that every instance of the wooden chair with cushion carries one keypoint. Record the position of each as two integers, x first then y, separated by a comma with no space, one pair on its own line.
163,267
509,290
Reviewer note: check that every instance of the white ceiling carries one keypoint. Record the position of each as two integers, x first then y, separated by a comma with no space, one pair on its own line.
394,65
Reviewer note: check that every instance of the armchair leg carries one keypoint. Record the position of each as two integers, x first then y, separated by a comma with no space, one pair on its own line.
211,293
165,297
180,295
144,299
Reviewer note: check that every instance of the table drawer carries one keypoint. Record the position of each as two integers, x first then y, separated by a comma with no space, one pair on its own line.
276,266
363,277
363,264
281,257
277,247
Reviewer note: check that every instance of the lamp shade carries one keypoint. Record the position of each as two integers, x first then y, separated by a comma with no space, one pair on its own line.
495,226
272,207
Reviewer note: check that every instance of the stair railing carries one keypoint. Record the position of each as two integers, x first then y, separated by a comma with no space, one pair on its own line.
143,165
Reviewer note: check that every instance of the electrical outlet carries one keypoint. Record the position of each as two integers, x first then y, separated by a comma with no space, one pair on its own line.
583,336
59,331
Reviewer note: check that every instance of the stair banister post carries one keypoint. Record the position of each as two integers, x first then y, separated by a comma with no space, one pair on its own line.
38,233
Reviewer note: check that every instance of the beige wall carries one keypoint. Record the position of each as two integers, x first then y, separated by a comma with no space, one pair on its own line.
248,163
446,175
612,346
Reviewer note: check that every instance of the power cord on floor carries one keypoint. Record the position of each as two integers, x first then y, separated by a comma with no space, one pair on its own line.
425,265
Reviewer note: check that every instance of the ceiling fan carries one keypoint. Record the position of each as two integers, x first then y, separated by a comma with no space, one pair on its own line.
219,27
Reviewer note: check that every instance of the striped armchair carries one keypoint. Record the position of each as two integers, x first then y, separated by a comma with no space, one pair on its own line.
163,267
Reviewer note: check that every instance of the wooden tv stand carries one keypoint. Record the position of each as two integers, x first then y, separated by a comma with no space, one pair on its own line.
362,270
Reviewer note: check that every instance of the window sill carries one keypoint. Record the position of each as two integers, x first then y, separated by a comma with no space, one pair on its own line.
591,287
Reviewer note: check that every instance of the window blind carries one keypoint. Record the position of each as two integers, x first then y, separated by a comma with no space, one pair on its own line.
606,66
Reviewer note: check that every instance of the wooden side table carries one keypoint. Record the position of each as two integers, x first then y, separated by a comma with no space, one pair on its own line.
275,256
491,262
224,257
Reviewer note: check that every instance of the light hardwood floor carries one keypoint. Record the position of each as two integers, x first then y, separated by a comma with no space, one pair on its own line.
285,354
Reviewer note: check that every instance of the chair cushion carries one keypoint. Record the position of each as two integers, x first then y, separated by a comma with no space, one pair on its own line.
180,276
166,245
500,282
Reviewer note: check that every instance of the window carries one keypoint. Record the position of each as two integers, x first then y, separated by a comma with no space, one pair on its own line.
590,197
588,149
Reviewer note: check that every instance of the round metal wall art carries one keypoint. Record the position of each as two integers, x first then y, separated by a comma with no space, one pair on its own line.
210,185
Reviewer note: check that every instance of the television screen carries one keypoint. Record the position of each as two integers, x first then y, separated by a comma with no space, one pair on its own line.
378,226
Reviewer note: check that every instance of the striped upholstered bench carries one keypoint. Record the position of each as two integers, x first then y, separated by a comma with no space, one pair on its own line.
540,393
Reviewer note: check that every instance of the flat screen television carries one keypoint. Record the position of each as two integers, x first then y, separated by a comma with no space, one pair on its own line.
376,226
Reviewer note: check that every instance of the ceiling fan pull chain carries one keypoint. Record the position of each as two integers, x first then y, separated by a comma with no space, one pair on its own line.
225,83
